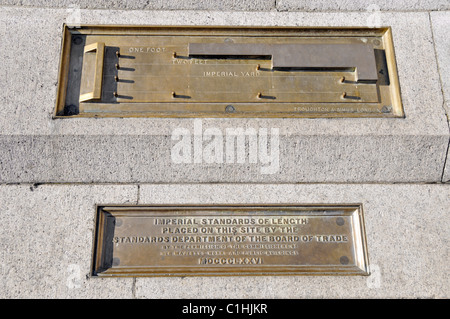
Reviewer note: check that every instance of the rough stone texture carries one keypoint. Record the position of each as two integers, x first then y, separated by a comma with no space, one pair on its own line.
315,150
31,72
46,235
441,29
237,5
226,5
407,236
362,5
446,174
147,158
46,231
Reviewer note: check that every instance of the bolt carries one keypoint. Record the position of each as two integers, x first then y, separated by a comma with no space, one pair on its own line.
230,109
344,260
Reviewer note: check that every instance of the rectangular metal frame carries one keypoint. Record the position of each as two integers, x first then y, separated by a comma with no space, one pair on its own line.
271,109
328,215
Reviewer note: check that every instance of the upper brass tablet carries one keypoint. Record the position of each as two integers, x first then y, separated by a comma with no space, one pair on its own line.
154,71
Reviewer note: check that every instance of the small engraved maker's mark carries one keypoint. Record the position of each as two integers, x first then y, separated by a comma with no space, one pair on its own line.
340,221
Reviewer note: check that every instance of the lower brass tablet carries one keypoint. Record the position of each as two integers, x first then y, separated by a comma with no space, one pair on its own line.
229,240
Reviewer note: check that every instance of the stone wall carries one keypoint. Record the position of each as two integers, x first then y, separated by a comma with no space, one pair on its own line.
54,171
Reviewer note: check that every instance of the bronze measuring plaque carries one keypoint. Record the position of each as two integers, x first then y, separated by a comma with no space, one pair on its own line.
168,71
229,240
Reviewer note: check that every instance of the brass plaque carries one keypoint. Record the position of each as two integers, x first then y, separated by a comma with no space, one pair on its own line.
229,240
156,71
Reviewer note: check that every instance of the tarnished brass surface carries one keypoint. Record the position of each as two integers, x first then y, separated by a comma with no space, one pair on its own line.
321,56
156,71
229,240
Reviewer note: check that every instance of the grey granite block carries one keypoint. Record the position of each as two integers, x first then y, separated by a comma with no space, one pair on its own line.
311,150
362,5
446,173
440,22
227,5
47,232
31,72
150,159
46,235
407,238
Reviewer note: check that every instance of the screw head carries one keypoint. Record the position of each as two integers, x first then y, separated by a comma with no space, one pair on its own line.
77,40
344,260
386,109
230,109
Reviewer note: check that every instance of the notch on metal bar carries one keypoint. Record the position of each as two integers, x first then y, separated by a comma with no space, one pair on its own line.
95,83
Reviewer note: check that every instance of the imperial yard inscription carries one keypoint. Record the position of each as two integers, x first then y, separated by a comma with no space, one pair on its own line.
208,71
229,240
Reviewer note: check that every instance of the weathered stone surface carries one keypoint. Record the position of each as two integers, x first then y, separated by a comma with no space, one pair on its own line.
440,22
446,174
362,5
31,70
46,241
227,5
311,150
148,159
46,231
243,5
406,228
